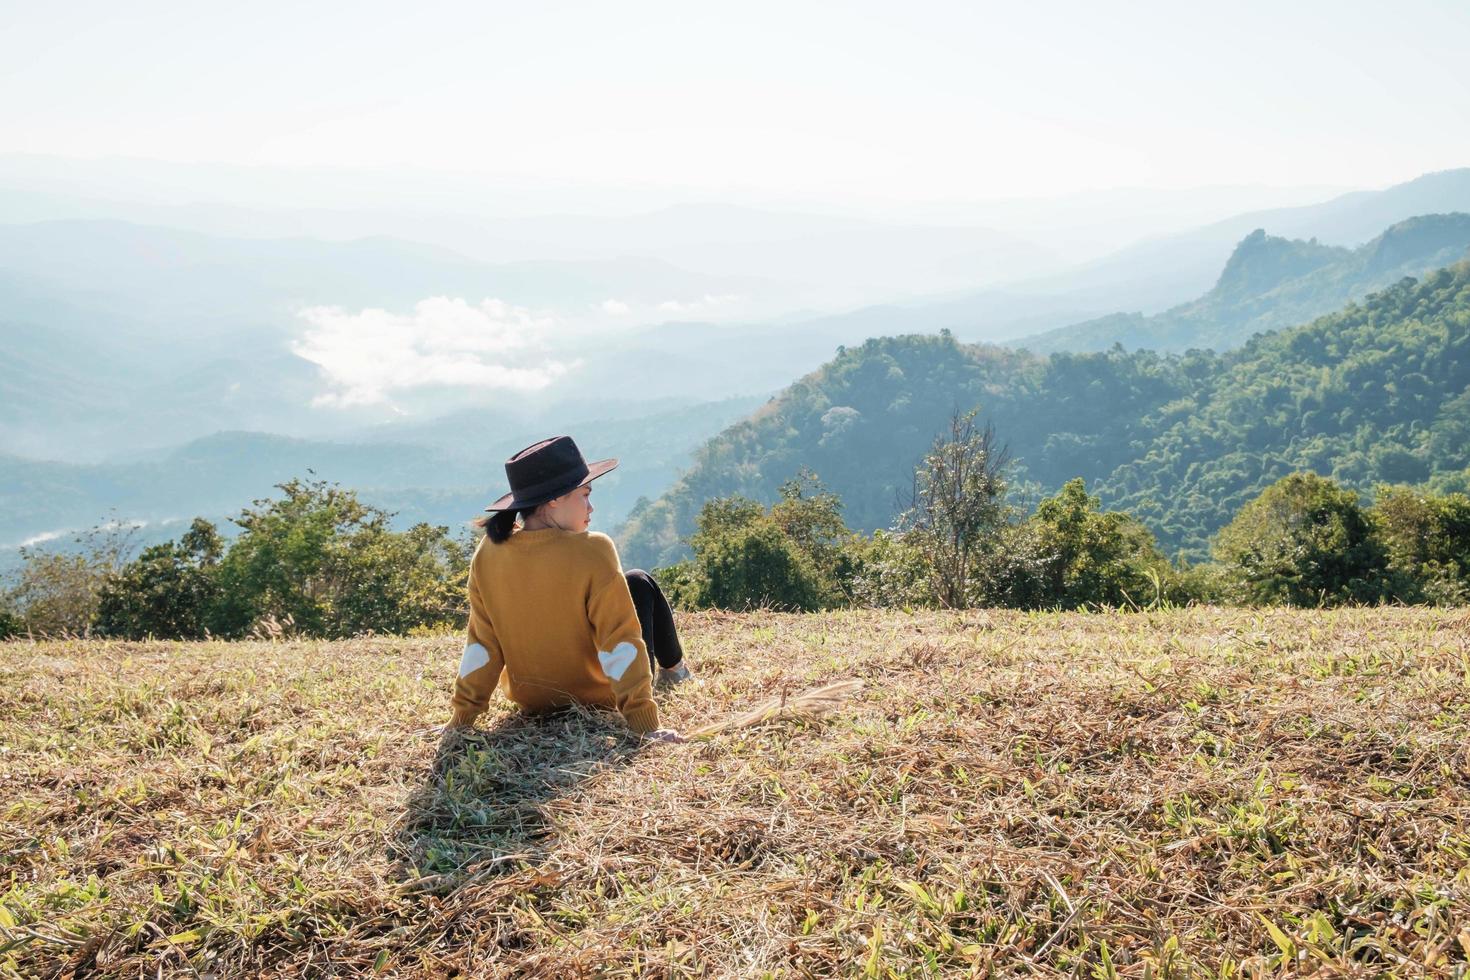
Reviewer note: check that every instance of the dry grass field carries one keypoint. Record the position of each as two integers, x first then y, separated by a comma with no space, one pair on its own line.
1191,793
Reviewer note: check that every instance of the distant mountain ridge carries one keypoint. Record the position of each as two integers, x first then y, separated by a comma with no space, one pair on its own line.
199,273
499,225
1187,263
841,258
1160,273
1271,282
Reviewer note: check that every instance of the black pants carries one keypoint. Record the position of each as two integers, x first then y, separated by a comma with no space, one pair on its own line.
656,618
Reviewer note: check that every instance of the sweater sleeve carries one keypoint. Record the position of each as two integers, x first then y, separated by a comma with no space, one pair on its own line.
481,663
619,638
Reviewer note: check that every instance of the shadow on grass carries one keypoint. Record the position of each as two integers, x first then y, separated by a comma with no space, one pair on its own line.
481,810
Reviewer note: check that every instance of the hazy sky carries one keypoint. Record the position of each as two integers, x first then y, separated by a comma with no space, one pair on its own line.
884,101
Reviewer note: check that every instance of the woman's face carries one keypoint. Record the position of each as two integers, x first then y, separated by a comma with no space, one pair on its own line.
572,512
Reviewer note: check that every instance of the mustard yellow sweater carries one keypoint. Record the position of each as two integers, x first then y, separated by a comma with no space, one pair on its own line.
552,622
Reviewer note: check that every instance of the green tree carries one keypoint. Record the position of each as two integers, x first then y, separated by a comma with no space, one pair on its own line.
401,582
1304,541
319,562
1427,537
167,591
746,556
811,517
757,566
1088,556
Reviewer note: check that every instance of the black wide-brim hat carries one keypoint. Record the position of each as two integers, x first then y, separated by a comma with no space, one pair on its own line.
546,470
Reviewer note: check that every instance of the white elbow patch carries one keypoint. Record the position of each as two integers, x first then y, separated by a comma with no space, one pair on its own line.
616,663
475,657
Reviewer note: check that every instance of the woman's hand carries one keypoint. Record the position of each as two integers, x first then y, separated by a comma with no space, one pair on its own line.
665,735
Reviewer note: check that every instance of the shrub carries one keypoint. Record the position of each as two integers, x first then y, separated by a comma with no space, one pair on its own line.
796,556
757,565
680,584
1090,557
328,565
890,570
1190,584
167,591
400,582
1304,541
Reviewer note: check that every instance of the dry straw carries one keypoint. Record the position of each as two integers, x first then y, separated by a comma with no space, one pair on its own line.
1197,793
807,705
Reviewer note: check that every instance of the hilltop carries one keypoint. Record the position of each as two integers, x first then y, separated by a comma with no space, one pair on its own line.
1163,794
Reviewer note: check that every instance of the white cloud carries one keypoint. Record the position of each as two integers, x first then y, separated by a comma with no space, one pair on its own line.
101,528
365,356
614,307
41,538
705,302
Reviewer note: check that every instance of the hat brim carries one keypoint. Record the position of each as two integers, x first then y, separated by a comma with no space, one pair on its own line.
509,501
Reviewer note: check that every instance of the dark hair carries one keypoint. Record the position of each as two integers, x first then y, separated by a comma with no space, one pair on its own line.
498,525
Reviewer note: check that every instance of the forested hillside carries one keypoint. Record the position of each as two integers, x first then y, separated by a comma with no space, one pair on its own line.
1270,283
1376,392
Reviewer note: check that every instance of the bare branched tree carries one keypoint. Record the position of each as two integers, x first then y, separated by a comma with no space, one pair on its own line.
958,507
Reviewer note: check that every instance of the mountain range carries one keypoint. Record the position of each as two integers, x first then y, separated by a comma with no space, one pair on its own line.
1378,392
154,373
1161,272
125,337
1270,282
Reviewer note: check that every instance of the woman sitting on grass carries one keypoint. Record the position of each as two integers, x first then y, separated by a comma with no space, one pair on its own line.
553,618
